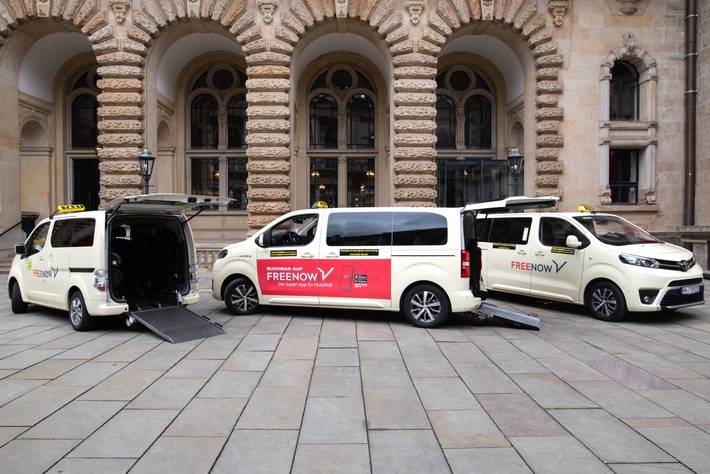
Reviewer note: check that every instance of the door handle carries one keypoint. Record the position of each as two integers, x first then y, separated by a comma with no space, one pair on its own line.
332,255
306,255
522,252
539,253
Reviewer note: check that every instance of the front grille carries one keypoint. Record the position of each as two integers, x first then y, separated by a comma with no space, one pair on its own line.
680,266
674,299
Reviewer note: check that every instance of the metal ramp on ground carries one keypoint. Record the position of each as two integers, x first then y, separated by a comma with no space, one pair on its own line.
527,321
176,323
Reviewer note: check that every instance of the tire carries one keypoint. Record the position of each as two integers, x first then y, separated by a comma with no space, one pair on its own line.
426,306
241,297
18,306
78,315
606,302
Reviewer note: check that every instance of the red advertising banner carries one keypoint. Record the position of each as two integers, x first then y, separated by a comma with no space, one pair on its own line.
351,278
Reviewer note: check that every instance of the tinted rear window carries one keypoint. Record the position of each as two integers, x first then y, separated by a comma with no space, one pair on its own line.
514,230
73,233
353,229
420,228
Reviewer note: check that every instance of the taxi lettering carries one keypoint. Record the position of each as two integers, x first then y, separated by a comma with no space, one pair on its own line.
537,267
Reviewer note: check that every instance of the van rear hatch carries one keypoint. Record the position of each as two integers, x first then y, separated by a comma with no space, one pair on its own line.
163,203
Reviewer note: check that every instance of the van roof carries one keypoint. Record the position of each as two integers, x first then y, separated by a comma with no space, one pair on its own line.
512,203
163,203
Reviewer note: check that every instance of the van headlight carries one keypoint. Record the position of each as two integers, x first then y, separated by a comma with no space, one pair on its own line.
639,261
222,253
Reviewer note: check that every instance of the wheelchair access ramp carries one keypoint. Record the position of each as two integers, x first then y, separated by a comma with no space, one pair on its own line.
176,323
488,311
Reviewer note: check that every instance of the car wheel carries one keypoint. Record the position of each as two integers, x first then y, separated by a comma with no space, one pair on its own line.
241,297
18,306
426,306
606,302
78,315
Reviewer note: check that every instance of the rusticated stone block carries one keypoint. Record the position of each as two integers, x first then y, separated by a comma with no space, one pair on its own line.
536,24
267,111
551,60
120,153
415,85
548,126
414,153
415,139
268,84
549,87
403,47
433,37
391,23
542,36
280,167
414,98
120,84
414,59
292,23
415,194
547,154
414,181
267,125
121,180
545,49
285,34
558,192
109,194
415,204
268,58
550,167
408,112
120,98
547,73
268,139
259,221
427,47
550,113
121,139
268,180
121,126
268,153
118,112
415,167
550,141
120,71
415,72
414,126
105,47
116,166
547,100
269,194
269,70
267,98
268,207
547,180
400,34
133,32
120,58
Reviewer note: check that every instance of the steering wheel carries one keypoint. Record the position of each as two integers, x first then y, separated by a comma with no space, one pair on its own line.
292,238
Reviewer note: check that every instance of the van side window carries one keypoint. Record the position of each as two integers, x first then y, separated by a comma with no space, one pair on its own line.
554,231
73,233
296,231
419,228
38,239
357,229
514,230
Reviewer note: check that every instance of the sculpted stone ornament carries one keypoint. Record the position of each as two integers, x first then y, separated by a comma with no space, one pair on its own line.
193,9
267,8
628,7
487,10
119,8
341,8
558,8
630,42
416,7
43,8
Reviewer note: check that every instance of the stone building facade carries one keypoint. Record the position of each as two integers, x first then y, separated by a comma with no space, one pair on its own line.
425,100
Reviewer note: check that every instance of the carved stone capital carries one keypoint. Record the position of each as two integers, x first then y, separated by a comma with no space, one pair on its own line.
267,9
558,8
628,7
416,7
119,8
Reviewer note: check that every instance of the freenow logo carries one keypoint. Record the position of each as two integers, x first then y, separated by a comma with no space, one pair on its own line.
538,267
51,273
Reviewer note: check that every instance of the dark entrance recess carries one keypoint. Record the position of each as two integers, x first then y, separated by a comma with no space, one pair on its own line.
86,183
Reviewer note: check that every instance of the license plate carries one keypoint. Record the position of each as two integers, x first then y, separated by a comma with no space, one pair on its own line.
690,290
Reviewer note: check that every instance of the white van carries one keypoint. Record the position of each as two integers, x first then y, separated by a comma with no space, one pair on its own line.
135,258
391,259
599,260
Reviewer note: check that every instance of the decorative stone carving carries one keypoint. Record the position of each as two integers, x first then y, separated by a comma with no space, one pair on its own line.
487,10
119,8
43,8
558,8
629,42
193,8
341,8
267,8
628,7
416,7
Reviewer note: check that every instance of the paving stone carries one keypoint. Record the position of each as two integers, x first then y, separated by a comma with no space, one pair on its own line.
683,404
259,342
518,415
379,350
209,417
334,420
193,369
558,454
231,384
297,348
126,352
550,392
27,356
180,454
571,370
485,378
34,406
167,394
619,443
406,451
689,445
218,348
463,353
517,363
11,389
384,373
373,331
124,385
337,357
429,366
88,374
338,333
274,409
331,458
491,460
445,394
251,451
394,409
335,382
76,420
619,400
288,373
247,361
460,429
33,455
92,466
129,434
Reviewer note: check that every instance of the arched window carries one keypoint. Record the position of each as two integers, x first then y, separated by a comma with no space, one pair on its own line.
361,122
445,122
204,129
84,122
478,122
342,136
624,92
324,122
83,143
217,148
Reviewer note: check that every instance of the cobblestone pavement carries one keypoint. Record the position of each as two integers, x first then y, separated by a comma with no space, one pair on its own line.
310,391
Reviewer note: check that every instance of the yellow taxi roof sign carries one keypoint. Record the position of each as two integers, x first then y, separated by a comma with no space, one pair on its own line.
585,208
71,208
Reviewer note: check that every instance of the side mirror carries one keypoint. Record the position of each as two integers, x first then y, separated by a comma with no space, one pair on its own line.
20,249
264,240
572,241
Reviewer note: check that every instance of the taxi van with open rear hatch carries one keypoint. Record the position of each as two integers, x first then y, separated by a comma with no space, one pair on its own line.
599,260
136,258
411,259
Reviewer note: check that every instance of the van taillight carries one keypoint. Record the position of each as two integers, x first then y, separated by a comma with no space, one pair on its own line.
465,264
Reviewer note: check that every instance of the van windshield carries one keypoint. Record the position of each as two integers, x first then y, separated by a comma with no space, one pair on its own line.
613,230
